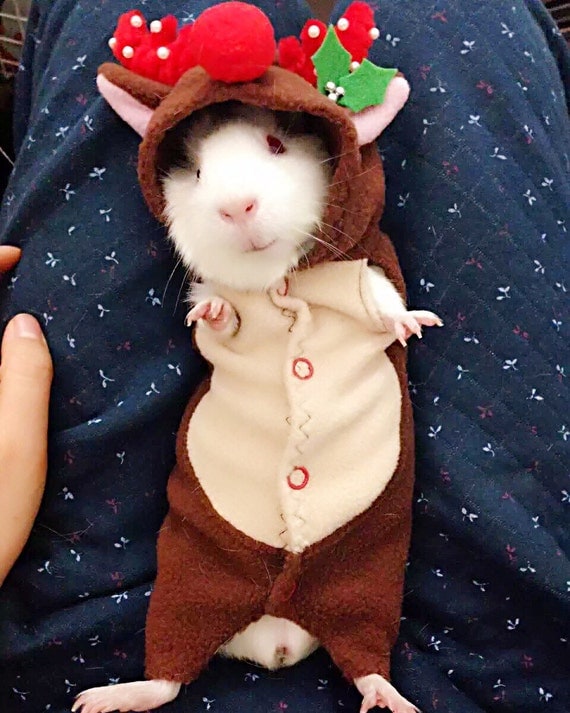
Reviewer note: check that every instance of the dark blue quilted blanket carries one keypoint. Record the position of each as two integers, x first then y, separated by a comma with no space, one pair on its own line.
478,207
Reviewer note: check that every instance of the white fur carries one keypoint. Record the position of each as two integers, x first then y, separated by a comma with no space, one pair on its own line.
272,643
236,164
385,296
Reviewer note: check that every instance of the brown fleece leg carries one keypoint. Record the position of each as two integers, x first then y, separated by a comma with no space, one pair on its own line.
350,591
208,588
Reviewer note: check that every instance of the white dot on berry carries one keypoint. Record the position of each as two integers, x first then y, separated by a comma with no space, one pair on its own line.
314,31
354,66
156,26
112,43
136,21
333,96
343,24
374,33
340,91
331,86
163,53
128,52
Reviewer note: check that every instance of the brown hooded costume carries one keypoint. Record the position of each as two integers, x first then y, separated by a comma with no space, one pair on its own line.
341,580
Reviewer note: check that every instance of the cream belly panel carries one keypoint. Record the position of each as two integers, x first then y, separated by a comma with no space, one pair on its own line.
300,431
344,458
232,449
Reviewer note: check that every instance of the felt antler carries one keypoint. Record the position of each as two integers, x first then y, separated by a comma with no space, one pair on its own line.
233,42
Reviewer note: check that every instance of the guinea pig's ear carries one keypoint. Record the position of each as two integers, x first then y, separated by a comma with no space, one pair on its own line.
132,97
371,122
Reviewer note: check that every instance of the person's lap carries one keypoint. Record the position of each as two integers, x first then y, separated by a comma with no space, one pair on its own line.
477,185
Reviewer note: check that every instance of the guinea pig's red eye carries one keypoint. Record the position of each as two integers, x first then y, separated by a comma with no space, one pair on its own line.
275,144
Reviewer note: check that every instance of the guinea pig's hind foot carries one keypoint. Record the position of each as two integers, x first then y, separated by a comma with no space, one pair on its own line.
377,691
135,696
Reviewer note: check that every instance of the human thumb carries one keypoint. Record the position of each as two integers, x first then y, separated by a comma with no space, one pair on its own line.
25,373
25,381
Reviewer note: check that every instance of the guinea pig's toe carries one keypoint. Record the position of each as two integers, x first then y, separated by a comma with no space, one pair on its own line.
377,691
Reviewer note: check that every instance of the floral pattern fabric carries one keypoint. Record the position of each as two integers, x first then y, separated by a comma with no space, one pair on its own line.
478,201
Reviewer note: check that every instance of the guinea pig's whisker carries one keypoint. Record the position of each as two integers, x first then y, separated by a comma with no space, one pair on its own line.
170,279
333,248
345,210
357,175
187,280
338,230
334,158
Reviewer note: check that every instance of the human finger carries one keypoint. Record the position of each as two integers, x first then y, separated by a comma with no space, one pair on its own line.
9,256
25,381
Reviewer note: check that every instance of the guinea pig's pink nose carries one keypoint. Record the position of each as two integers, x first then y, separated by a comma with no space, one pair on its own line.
239,210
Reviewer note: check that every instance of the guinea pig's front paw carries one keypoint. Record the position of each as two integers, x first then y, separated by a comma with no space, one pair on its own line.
216,312
407,323
377,691
135,696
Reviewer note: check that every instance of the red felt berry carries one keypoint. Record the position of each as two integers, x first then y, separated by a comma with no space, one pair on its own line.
131,29
164,31
360,13
291,55
131,32
355,40
312,36
145,62
356,30
293,58
235,42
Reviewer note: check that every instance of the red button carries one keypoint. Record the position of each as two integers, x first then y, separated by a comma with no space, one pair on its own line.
298,478
303,369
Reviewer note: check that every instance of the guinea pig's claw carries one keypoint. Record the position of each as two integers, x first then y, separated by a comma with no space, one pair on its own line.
408,323
217,312
377,691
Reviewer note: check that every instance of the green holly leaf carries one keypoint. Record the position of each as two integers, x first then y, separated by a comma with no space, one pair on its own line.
331,60
365,87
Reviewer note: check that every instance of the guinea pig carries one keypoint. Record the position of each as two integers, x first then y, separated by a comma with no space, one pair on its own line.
245,195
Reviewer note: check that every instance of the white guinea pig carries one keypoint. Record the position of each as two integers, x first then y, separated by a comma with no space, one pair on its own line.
245,191
244,204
